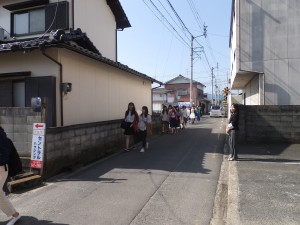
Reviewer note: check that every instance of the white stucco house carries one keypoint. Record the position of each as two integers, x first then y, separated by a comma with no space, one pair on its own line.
66,51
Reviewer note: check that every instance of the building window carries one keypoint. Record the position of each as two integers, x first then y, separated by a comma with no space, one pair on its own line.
36,21
21,23
29,22
182,92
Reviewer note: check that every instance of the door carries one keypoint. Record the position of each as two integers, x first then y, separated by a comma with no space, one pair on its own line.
44,87
6,90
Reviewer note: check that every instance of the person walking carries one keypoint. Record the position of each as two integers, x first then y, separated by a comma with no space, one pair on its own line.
192,114
232,131
178,117
131,119
202,108
144,123
165,120
185,116
5,204
173,120
198,113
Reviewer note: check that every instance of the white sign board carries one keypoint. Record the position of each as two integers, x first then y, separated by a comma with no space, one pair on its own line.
37,147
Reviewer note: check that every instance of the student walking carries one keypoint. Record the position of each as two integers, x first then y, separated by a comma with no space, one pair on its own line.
198,113
173,119
5,204
144,123
192,114
165,120
131,119
185,116
178,116
232,131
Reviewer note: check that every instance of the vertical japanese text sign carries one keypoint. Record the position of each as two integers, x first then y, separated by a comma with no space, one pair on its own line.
38,143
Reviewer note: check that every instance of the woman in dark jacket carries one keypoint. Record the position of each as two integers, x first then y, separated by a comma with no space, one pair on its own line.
5,204
232,131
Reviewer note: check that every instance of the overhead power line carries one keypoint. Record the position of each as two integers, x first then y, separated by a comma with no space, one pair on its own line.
172,29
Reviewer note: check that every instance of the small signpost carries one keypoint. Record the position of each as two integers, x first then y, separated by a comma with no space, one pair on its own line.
38,144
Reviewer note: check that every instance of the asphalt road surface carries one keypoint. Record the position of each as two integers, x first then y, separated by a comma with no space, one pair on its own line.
173,183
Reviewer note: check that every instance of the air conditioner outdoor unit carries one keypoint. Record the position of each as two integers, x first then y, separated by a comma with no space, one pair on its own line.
1,34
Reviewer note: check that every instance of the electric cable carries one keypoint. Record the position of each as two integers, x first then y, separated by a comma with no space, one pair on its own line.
171,26
53,20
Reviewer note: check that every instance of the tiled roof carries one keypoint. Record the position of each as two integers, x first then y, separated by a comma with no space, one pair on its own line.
182,80
75,41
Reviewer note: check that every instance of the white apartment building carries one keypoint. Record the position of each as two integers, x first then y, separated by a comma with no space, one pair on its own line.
265,51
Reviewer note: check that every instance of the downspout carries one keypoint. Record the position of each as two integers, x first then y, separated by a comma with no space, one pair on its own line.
239,39
116,45
60,82
73,17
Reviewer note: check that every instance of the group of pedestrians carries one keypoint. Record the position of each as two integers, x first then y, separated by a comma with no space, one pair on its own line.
174,118
137,124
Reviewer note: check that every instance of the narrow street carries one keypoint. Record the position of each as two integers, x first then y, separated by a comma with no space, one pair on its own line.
173,183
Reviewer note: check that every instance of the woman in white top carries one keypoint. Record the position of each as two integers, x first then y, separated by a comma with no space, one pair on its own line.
185,116
192,115
165,119
131,119
144,122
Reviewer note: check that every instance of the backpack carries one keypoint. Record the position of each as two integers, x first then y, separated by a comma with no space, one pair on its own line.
14,162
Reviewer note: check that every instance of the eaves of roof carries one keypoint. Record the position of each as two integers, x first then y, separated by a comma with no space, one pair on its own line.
118,11
76,42
185,78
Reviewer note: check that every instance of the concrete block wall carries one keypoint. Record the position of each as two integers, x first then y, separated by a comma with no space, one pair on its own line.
17,123
270,124
78,145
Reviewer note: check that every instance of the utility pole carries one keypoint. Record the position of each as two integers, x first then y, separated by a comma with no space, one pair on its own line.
192,61
212,85
192,66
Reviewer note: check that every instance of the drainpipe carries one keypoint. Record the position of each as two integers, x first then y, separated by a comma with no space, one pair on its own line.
116,45
60,82
73,17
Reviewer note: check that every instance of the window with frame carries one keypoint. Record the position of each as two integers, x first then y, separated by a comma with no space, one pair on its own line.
182,92
29,22
39,20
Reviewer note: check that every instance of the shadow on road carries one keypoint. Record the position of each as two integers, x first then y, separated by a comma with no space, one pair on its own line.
184,152
29,220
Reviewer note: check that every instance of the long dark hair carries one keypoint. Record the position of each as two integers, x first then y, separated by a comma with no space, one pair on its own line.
236,107
146,111
165,110
133,109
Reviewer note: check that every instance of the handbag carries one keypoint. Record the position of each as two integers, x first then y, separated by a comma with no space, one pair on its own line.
149,130
123,124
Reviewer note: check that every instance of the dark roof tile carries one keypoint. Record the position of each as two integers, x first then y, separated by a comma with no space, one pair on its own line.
75,41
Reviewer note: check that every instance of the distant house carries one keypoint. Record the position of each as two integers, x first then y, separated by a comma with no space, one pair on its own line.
265,51
180,86
75,66
162,96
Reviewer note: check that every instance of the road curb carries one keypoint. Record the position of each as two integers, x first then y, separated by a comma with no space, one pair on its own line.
233,216
221,199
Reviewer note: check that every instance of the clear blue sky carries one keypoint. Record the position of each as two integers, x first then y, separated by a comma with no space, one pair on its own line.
149,47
